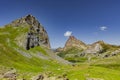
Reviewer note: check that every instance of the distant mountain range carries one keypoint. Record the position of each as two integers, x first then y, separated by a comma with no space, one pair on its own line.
74,47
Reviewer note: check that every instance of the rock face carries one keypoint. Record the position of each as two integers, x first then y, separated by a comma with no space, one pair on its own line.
74,42
95,47
36,34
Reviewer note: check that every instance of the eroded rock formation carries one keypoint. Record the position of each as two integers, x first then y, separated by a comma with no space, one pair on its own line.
36,34
95,47
74,42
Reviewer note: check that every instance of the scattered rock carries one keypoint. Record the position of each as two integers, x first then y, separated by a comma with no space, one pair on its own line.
11,75
1,76
107,55
47,77
94,79
95,47
39,77
115,52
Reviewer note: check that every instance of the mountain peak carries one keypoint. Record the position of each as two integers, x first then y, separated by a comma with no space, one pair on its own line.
26,20
36,34
99,42
74,42
71,38
30,19
95,47
29,15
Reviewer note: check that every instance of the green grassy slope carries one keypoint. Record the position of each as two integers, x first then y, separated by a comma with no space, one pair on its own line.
72,55
97,68
14,56
28,65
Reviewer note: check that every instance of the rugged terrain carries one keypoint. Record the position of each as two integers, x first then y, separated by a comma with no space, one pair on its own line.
36,34
74,42
25,54
97,59
77,51
25,47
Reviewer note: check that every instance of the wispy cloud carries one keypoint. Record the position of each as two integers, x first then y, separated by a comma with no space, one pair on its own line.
68,33
103,28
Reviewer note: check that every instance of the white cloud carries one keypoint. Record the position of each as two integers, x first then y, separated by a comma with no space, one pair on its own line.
103,28
68,33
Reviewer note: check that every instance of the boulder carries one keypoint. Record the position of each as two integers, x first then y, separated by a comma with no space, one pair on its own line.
10,75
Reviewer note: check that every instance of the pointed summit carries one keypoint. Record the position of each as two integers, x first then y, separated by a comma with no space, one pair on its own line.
36,34
99,42
30,19
74,42
26,20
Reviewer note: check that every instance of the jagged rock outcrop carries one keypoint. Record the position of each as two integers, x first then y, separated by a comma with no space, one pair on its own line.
95,47
36,34
74,42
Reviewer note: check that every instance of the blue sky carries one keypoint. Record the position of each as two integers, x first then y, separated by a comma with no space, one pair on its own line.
88,20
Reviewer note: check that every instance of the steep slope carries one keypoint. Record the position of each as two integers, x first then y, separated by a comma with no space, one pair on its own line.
72,50
74,42
96,47
101,47
36,34
20,49
77,51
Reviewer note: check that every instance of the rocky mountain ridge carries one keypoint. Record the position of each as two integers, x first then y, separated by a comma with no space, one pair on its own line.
36,34
97,47
73,52
74,42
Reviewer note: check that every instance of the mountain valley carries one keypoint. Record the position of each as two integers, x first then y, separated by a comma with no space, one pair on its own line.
26,54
